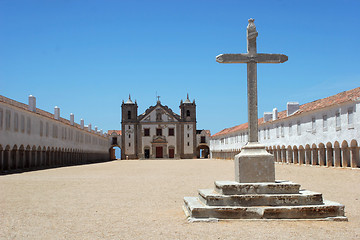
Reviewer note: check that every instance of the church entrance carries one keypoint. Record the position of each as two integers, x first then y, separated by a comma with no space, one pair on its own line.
171,153
159,152
147,153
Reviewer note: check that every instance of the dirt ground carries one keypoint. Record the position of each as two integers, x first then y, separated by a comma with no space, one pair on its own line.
143,200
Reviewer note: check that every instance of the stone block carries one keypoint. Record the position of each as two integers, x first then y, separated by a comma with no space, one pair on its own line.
304,197
236,188
254,164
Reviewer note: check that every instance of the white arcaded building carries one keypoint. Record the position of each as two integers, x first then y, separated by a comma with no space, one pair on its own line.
33,138
324,132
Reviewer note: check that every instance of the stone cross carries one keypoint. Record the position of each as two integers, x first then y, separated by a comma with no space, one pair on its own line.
251,58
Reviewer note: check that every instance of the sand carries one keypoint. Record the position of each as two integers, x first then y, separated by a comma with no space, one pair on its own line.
143,200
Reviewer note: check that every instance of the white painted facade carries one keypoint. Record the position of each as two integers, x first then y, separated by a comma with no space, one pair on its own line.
334,126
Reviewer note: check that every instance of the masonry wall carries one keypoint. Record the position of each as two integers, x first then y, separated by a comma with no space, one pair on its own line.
327,137
33,140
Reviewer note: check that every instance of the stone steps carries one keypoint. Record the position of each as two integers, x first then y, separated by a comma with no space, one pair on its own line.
304,197
197,210
272,200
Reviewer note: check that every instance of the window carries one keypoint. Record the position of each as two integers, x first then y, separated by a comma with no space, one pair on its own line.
28,125
188,135
158,116
203,139
7,119
171,132
351,117
16,122
47,129
159,132
22,124
313,124
41,128
188,143
290,129
55,132
1,118
325,127
282,130
129,114
129,144
146,132
338,121
188,113
129,136
298,128
277,131
129,127
114,141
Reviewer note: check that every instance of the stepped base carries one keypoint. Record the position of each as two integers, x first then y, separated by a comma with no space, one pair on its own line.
277,200
196,210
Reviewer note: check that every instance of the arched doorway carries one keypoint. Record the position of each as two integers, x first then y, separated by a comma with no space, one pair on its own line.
115,152
202,151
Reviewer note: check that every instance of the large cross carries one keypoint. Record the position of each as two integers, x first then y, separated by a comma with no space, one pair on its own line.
251,58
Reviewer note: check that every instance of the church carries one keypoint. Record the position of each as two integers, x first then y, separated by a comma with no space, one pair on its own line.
158,132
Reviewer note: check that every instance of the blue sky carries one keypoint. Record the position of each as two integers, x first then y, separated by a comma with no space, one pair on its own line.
87,56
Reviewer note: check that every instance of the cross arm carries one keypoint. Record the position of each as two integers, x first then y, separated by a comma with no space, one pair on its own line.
232,58
270,58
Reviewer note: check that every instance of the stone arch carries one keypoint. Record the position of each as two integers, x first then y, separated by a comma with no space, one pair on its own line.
301,155
354,151
314,155
337,154
6,158
1,158
283,154
278,150
13,157
322,155
307,154
329,155
289,154
275,153
33,161
27,156
345,152
39,157
295,155
52,156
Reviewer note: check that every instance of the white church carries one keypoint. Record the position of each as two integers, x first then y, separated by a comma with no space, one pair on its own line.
324,132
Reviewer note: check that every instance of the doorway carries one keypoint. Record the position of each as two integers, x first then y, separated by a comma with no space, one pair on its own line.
147,153
171,153
159,152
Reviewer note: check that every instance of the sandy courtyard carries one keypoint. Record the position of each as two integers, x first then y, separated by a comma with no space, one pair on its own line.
143,200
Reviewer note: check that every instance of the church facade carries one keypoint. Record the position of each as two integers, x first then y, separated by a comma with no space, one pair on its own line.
158,132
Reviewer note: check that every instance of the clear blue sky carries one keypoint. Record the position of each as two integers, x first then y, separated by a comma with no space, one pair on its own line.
87,56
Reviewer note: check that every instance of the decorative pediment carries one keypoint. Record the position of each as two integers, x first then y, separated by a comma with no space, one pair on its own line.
159,113
159,139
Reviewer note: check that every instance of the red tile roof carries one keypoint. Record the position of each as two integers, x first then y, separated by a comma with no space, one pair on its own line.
340,98
43,113
118,132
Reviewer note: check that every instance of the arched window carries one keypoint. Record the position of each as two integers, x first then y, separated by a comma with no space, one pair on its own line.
129,114
188,113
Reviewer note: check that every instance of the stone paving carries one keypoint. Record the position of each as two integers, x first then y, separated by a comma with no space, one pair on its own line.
143,200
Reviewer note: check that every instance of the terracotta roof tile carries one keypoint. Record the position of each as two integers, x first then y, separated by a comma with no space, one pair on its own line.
118,132
340,98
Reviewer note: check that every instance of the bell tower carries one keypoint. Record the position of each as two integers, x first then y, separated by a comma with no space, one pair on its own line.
129,126
188,128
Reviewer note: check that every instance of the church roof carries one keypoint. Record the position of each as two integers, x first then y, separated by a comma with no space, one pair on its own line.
340,98
118,132
166,109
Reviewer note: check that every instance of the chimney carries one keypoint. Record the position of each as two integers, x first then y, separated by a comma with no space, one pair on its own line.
275,114
292,107
267,116
82,123
101,131
71,119
32,103
89,127
96,129
57,113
